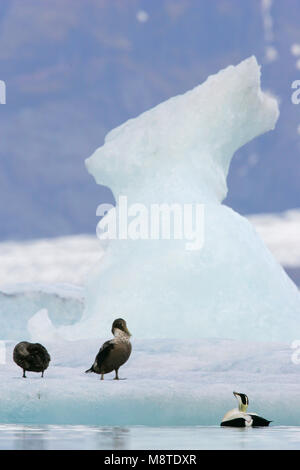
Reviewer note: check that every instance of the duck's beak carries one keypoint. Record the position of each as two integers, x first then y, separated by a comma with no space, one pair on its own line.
236,394
127,331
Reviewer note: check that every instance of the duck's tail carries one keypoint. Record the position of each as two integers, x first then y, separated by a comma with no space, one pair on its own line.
89,370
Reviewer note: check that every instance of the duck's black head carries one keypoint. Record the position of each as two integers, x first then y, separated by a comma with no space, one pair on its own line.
243,401
120,324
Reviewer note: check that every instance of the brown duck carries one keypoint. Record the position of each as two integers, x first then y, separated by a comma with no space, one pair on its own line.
113,353
32,357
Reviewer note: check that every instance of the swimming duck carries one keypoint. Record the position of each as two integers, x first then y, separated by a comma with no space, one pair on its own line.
32,357
239,418
113,353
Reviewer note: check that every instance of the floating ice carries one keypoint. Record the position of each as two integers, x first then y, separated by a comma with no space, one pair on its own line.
168,382
180,152
20,302
41,328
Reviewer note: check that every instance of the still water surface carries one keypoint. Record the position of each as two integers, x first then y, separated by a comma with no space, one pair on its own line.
26,437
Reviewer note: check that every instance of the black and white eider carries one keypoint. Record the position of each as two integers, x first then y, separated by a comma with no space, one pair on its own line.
239,418
115,352
32,357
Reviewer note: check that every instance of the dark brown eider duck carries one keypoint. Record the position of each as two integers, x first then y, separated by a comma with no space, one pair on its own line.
115,352
32,357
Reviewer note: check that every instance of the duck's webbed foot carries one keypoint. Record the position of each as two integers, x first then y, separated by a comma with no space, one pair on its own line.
43,374
24,375
102,377
117,376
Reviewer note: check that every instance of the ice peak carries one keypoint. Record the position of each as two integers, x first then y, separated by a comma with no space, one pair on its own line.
187,142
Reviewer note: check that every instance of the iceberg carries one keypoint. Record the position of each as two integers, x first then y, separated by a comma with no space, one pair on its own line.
168,383
20,302
204,322
179,153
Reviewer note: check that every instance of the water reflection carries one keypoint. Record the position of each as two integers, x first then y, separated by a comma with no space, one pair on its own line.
113,437
31,437
26,437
